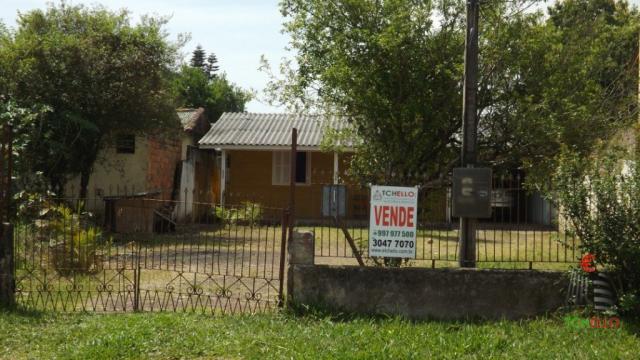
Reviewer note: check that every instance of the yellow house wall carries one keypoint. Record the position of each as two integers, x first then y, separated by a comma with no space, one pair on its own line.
250,179
114,174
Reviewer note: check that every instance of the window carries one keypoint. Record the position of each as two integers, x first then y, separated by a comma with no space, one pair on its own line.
281,166
126,144
301,167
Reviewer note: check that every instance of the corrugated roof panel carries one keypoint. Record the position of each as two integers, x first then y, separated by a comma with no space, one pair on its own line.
251,129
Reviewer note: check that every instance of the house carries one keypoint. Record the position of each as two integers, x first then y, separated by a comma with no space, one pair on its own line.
138,168
255,151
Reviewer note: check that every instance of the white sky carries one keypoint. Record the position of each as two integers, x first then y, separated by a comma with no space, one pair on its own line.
238,31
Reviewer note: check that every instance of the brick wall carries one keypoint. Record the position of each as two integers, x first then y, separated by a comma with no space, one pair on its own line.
164,155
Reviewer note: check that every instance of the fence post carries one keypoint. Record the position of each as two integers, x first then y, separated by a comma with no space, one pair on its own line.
283,252
7,279
301,251
136,279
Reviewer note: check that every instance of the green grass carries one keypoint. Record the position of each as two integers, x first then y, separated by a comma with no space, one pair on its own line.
171,336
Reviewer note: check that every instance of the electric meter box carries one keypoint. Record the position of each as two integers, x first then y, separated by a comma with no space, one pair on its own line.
471,192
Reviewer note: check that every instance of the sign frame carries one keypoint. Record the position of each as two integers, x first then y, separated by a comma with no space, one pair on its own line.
393,220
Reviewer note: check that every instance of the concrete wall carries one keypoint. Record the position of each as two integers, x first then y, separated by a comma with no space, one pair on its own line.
417,293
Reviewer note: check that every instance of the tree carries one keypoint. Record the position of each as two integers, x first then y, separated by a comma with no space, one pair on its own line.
97,74
394,68
191,87
568,80
198,58
225,96
211,66
197,88
393,73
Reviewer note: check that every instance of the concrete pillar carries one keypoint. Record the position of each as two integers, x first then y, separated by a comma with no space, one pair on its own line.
301,248
300,252
7,281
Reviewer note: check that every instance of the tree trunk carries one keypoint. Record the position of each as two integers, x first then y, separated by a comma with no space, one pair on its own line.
84,183
87,168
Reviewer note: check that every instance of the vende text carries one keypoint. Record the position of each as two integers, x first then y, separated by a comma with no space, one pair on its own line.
400,216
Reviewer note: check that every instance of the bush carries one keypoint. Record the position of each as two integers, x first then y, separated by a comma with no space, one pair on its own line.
600,197
248,213
73,243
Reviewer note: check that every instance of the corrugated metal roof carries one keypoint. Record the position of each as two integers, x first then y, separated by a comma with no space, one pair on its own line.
272,130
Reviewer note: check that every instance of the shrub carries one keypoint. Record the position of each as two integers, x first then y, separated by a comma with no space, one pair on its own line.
248,213
73,243
600,197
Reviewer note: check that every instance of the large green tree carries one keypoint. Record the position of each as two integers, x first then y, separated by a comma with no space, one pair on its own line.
391,70
97,74
568,78
394,68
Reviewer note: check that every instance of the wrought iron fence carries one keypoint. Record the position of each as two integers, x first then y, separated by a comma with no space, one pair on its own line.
524,231
137,256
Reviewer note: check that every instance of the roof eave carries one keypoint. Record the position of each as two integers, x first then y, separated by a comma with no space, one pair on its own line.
264,147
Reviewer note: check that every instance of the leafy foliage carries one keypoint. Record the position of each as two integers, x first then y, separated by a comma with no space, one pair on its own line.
96,73
394,68
23,123
72,239
73,246
198,85
569,79
600,196
248,213
390,70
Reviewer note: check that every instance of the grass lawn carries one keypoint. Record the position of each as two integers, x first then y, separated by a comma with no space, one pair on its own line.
174,335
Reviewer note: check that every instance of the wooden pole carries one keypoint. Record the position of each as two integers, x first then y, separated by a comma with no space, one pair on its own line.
336,169
3,187
223,176
292,181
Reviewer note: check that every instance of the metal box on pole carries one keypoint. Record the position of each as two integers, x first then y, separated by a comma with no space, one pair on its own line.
471,192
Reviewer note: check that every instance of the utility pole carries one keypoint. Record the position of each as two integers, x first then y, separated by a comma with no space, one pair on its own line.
467,248
637,134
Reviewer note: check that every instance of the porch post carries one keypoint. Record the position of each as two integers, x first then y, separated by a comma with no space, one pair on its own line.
223,176
335,168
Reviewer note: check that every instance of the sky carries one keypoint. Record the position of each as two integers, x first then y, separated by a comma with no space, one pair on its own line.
239,32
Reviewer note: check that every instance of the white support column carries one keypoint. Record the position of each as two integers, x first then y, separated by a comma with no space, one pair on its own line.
336,170
223,176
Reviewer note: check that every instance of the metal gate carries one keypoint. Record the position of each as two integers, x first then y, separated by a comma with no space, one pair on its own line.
228,260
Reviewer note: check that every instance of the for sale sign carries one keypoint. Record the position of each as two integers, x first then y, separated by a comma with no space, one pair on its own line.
392,223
